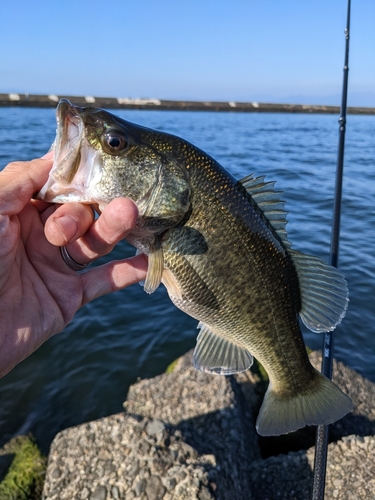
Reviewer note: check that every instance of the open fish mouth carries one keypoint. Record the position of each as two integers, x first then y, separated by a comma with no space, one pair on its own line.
77,166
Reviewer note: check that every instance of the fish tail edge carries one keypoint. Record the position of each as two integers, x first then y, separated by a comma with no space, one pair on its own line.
324,403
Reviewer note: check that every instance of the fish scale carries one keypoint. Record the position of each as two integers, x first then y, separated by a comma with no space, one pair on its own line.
220,247
238,286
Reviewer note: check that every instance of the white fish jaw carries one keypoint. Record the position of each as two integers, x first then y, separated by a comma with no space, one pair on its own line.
77,166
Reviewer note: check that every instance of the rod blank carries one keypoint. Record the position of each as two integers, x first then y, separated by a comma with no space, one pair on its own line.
321,443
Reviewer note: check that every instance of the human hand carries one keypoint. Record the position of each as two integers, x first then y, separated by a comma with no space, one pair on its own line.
39,293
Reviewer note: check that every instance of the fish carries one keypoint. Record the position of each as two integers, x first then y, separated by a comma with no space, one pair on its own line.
220,247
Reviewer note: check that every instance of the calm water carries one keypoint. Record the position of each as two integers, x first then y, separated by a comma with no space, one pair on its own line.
84,373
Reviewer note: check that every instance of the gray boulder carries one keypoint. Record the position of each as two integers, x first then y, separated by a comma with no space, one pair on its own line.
188,435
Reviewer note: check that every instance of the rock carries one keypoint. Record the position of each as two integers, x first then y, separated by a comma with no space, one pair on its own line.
204,494
115,492
133,469
85,493
140,487
56,473
210,413
154,427
189,435
99,494
350,472
155,489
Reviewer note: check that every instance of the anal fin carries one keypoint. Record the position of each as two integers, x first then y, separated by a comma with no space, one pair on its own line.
214,354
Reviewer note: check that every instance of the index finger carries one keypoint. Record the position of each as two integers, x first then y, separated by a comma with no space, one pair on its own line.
19,181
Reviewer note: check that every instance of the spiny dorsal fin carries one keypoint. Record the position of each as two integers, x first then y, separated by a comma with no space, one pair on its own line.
214,354
268,200
324,292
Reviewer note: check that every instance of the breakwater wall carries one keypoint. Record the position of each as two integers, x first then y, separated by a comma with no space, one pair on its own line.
51,100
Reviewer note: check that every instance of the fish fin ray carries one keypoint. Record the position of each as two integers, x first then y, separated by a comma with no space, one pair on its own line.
324,403
214,354
171,284
154,271
268,200
324,292
141,283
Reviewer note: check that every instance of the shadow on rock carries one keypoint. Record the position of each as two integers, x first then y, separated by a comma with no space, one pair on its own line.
224,441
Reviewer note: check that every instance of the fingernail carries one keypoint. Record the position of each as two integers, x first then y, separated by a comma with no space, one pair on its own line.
48,156
67,226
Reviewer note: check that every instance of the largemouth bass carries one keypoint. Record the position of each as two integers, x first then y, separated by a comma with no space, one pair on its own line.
221,249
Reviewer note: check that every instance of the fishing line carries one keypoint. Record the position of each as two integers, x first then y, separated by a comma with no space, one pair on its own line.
321,443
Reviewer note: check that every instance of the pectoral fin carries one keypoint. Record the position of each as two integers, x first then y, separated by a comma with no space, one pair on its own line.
155,270
214,354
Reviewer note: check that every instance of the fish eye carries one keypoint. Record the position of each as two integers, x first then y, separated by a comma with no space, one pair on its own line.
114,142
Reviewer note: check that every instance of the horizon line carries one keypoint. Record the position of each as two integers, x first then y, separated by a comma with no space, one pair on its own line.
51,100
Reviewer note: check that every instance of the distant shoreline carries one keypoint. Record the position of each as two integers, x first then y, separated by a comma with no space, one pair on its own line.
50,101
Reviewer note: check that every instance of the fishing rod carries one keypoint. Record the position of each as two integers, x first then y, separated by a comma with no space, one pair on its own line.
321,443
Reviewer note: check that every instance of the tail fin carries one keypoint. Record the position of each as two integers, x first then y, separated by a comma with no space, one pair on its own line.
324,403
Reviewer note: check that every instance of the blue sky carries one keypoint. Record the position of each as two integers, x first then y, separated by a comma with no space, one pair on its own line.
236,50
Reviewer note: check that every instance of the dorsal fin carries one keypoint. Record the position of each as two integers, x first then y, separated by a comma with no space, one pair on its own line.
268,200
324,292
